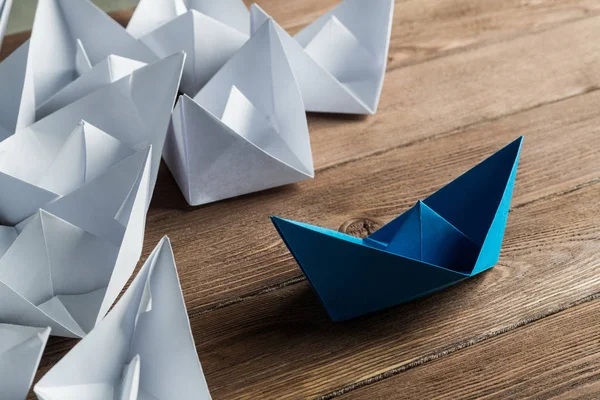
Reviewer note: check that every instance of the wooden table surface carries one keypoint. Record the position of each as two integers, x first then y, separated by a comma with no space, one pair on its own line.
464,78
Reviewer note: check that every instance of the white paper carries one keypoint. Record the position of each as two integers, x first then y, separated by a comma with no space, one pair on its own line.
72,258
68,38
32,177
107,71
21,349
8,234
152,14
135,110
143,349
246,129
209,32
340,59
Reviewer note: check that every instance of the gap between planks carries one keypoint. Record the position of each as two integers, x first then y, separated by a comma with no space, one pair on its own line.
454,131
308,354
455,348
490,42
301,278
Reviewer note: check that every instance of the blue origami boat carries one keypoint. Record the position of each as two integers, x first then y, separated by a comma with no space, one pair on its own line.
452,235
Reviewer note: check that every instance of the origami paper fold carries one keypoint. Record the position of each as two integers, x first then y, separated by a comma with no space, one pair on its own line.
340,59
5,6
72,258
85,154
8,234
143,349
64,45
150,15
21,349
134,110
246,129
107,71
452,235
209,32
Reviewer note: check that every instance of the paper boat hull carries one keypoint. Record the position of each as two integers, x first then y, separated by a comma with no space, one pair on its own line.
353,279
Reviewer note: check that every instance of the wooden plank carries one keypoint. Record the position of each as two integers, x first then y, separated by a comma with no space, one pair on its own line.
425,30
463,95
557,357
230,248
379,188
239,252
448,93
282,345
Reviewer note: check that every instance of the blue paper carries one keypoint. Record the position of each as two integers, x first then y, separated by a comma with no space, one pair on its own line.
452,235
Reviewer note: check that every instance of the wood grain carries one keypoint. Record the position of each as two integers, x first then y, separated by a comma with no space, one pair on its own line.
448,93
426,30
230,249
282,345
556,358
551,159
464,77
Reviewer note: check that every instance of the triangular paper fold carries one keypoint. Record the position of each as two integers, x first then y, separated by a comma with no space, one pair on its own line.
340,59
208,31
150,15
245,131
109,70
75,256
8,234
64,44
452,235
207,42
135,110
142,349
21,349
85,154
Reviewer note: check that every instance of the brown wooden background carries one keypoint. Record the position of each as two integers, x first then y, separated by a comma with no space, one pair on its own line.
464,78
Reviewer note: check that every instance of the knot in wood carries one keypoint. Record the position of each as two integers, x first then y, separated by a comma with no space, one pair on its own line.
360,227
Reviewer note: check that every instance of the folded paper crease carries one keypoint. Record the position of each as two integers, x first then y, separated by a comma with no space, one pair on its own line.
21,349
143,348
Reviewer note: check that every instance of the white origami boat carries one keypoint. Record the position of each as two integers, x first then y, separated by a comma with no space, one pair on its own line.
245,131
72,258
340,59
64,45
143,349
5,6
21,349
209,32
